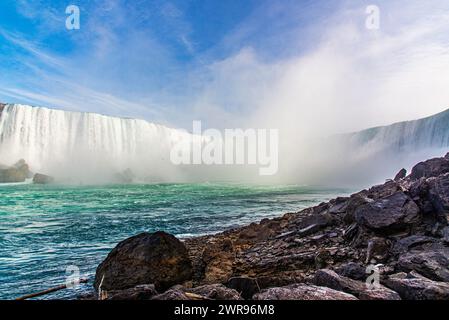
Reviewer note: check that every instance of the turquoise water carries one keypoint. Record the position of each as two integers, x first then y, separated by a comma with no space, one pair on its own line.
45,229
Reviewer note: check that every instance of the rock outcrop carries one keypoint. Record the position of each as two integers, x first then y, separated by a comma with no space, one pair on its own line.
40,178
389,242
148,258
19,172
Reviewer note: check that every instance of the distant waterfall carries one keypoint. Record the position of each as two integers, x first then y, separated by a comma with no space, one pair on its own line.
82,144
374,154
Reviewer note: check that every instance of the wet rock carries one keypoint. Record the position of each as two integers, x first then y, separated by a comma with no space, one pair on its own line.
330,279
42,179
141,292
19,172
432,264
246,286
157,258
216,292
388,215
302,292
400,175
416,287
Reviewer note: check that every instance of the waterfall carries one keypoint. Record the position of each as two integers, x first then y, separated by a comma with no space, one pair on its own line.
409,136
82,145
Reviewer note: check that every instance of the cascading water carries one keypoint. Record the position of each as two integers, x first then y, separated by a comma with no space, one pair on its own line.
85,146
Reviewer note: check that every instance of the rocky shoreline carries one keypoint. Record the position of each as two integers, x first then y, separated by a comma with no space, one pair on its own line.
390,242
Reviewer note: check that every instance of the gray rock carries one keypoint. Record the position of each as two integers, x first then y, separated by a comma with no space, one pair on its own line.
431,263
416,287
430,168
216,292
302,292
400,175
157,258
388,215
330,279
141,292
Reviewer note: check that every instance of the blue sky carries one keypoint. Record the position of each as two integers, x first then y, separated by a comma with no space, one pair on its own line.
225,61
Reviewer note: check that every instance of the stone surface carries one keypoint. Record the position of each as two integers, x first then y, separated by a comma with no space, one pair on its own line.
302,292
19,172
330,279
216,292
42,179
431,263
388,215
430,168
141,292
157,258
415,287
400,175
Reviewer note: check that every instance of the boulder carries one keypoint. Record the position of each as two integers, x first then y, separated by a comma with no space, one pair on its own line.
330,279
389,215
438,195
157,258
431,263
352,270
19,172
216,292
416,287
430,168
141,292
400,175
405,244
302,292
40,178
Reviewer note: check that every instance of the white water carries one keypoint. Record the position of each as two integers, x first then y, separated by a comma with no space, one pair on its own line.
86,146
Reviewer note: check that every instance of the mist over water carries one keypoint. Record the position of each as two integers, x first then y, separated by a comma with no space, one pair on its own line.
86,148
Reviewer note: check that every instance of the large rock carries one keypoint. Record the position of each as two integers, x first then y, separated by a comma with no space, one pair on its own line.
400,175
302,292
430,168
431,263
216,292
388,215
19,172
157,258
330,279
40,178
416,287
439,196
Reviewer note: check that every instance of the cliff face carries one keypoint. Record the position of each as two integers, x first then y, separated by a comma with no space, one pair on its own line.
388,242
